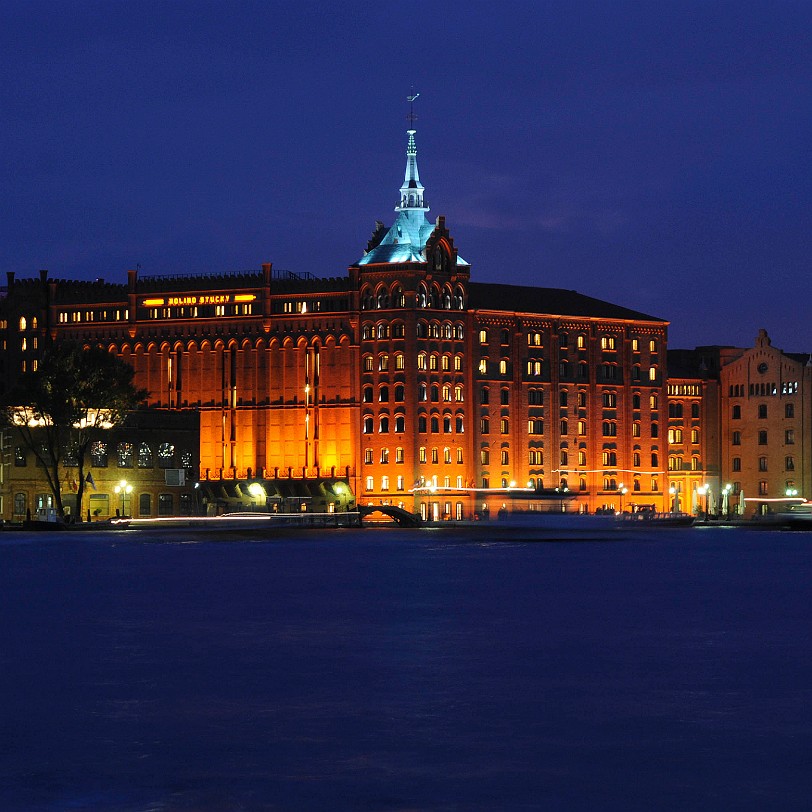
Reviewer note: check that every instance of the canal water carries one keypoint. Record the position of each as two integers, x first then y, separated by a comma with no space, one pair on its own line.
406,670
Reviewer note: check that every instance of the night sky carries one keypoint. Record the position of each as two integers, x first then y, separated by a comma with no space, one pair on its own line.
654,154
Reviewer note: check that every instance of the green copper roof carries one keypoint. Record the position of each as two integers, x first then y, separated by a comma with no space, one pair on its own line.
405,240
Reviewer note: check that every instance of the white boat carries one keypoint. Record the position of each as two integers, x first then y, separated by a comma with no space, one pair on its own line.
797,517
651,518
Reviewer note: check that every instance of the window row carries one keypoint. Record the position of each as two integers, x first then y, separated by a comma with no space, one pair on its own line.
127,455
736,411
434,362
789,463
424,424
384,457
789,437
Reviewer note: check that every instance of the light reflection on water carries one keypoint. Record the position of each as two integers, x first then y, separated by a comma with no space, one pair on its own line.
405,669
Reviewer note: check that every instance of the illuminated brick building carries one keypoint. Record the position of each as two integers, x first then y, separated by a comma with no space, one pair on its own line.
416,385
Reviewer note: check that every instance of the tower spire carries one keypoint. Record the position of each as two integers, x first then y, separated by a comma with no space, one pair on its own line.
411,192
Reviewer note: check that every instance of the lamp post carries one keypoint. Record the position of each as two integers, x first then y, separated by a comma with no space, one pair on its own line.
622,490
726,500
702,490
675,505
123,489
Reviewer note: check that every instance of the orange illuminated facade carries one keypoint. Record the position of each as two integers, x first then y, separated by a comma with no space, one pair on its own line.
416,385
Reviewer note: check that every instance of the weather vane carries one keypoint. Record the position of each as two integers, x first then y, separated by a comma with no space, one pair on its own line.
411,118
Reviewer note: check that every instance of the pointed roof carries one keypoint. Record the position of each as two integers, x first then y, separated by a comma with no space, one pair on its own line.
405,240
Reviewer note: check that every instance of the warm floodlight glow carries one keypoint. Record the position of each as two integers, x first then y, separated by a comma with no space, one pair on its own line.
256,490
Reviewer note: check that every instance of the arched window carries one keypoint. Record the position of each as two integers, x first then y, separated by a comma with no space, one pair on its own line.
145,459
400,424
166,455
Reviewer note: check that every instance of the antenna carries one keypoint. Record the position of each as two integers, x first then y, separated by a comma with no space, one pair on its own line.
411,118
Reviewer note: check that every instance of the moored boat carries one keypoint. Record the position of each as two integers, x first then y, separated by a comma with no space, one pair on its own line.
651,518
797,517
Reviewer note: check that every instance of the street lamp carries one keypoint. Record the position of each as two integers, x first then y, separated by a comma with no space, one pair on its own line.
622,490
702,490
123,489
726,500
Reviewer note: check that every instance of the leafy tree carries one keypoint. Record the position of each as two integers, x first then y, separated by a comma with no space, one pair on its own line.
74,395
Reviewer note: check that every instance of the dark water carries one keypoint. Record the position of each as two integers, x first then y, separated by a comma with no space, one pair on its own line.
406,670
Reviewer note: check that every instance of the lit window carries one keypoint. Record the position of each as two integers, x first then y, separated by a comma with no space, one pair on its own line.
124,452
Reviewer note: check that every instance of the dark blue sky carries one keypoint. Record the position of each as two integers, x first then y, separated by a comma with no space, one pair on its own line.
653,154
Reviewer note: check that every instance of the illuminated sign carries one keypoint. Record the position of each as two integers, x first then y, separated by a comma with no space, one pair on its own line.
204,299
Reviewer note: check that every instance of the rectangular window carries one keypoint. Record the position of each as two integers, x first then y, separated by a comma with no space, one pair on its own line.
789,437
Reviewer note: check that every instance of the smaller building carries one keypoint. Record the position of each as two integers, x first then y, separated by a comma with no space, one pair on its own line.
146,467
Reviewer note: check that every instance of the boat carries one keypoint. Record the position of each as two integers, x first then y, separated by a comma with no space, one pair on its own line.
797,517
652,518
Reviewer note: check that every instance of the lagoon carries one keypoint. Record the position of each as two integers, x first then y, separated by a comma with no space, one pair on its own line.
400,669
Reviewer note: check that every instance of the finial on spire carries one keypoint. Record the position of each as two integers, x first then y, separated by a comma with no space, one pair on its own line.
411,118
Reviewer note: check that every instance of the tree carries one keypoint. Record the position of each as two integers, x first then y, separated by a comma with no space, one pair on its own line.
74,395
